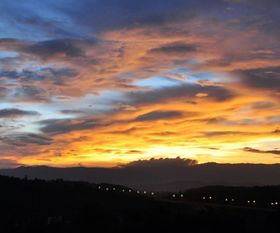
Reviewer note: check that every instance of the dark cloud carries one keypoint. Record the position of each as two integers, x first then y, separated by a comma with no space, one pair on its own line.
14,112
212,120
175,48
57,76
25,139
68,47
159,115
224,133
27,93
69,111
264,78
253,150
187,91
134,152
162,162
61,126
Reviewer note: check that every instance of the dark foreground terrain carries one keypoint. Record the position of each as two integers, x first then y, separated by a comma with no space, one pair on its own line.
58,206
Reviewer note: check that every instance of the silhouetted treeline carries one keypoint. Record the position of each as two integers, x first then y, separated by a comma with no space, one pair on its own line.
29,206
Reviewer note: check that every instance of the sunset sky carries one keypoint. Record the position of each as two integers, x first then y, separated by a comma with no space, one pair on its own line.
106,82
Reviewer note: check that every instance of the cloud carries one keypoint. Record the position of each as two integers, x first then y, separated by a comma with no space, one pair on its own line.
14,113
264,78
67,47
175,49
159,115
70,111
253,150
29,93
162,163
186,91
62,126
134,152
224,133
58,76
25,139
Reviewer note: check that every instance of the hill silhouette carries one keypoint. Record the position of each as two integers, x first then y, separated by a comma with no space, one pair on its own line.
160,176
60,206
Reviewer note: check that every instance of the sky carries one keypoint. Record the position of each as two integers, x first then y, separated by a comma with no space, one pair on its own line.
108,82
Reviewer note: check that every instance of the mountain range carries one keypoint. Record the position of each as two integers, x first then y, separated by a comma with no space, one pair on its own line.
159,178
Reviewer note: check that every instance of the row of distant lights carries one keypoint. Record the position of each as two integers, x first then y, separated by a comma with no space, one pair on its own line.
179,195
232,200
139,192
182,195
123,190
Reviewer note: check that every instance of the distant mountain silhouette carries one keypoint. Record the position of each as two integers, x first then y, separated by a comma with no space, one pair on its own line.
160,178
